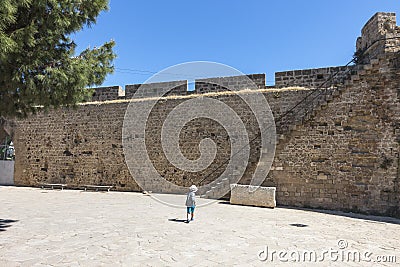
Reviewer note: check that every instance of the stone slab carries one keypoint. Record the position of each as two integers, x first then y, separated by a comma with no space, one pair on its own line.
6,172
253,195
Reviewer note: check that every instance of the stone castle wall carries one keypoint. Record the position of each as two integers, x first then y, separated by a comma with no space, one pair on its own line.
107,93
339,149
378,36
85,146
156,89
253,81
312,78
347,156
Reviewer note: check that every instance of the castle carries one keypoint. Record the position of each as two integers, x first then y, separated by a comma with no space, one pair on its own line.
337,149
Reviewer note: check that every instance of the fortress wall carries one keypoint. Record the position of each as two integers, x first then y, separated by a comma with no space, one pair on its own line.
347,156
74,146
377,36
84,145
312,78
156,89
253,81
107,93
3,135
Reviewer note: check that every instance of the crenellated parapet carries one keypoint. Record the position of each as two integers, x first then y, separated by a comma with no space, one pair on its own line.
107,93
379,35
180,88
156,89
220,84
312,78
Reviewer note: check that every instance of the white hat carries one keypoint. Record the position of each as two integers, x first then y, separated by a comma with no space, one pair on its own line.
193,188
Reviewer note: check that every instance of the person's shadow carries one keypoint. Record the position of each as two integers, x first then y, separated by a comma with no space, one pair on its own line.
4,223
178,220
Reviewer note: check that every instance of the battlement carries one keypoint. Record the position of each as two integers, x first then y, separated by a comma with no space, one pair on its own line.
379,35
218,84
252,81
311,78
154,89
107,93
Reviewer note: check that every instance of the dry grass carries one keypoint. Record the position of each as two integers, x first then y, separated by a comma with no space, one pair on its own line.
211,94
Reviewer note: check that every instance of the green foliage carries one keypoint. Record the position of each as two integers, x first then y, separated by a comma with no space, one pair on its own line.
37,62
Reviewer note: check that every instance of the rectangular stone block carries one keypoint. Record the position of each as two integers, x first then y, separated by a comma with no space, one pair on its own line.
156,89
6,172
107,93
253,195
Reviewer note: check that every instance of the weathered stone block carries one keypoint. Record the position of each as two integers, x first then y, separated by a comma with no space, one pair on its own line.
253,195
6,172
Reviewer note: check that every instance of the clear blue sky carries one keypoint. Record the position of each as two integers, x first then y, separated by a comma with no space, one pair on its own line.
254,36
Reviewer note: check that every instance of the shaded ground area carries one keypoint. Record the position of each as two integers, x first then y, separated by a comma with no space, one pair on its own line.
71,228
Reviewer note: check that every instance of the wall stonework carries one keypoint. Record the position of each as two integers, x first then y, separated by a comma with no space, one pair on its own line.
85,145
312,78
107,93
156,89
253,81
77,147
378,36
338,147
346,157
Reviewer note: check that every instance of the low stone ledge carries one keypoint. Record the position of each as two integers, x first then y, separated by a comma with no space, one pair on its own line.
253,195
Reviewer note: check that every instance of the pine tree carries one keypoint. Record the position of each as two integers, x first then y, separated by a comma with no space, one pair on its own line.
38,66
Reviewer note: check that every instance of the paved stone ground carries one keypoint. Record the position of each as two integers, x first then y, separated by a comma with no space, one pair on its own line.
71,228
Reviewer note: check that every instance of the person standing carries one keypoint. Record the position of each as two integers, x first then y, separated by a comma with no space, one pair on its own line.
191,203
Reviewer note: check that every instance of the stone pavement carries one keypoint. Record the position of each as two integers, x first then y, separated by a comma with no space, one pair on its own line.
72,228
